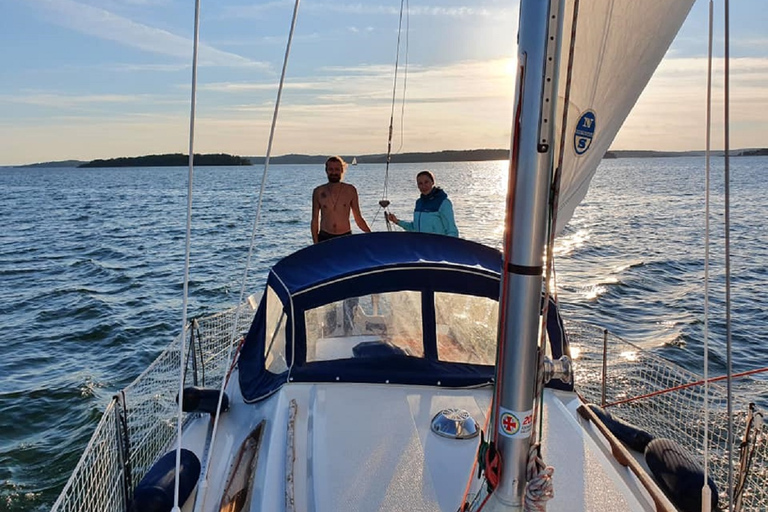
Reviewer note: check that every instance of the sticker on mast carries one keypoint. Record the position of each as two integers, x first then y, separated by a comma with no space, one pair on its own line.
514,423
584,133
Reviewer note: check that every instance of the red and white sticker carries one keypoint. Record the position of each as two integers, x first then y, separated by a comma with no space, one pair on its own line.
515,423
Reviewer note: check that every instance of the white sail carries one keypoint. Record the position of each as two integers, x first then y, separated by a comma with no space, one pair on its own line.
619,44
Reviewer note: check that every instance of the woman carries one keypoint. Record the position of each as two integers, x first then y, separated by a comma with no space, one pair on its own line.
433,212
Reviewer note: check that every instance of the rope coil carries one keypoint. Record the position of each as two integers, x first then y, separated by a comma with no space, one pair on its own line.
539,488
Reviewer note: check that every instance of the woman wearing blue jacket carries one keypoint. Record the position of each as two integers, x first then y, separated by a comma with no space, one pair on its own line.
433,212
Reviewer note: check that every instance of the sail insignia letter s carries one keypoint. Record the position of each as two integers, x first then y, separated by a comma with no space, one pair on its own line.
585,131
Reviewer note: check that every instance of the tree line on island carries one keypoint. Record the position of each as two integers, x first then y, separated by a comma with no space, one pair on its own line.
169,160
470,155
178,159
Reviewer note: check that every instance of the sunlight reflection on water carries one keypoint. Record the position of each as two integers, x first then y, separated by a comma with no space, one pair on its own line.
92,263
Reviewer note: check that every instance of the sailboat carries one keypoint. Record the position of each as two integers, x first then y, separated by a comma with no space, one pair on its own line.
386,371
354,160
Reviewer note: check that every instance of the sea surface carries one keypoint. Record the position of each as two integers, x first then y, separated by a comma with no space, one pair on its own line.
92,265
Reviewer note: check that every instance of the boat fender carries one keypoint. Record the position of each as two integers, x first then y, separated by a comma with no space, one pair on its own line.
678,474
155,491
203,400
635,438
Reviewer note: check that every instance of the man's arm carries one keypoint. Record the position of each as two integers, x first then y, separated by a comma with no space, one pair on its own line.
359,220
314,225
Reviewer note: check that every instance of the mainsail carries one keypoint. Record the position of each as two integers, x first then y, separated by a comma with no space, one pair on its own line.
617,46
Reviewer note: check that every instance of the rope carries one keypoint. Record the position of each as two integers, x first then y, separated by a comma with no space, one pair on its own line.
550,275
464,503
747,452
188,240
233,336
384,202
405,77
539,488
684,386
555,189
727,241
706,491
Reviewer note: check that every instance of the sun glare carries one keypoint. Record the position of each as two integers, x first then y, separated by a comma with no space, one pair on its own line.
510,67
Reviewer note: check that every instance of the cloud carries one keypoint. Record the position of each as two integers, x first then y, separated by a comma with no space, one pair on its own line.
103,24
68,101
447,107
370,9
240,87
132,68
424,10
255,10
45,108
353,104
670,114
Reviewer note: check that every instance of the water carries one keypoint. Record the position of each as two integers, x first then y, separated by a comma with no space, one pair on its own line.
92,262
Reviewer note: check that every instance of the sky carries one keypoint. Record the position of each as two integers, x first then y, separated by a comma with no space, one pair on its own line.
87,79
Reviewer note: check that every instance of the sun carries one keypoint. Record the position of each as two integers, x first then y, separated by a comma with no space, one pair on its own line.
510,67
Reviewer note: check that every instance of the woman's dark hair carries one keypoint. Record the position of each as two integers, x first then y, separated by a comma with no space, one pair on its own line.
426,173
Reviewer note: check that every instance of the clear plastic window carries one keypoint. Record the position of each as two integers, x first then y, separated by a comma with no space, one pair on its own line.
274,347
376,325
466,328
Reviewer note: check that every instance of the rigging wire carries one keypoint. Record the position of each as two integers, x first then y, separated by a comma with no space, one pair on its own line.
384,202
187,245
555,188
405,77
727,246
204,472
706,492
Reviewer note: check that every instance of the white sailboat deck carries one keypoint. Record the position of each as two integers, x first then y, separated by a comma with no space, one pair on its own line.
369,447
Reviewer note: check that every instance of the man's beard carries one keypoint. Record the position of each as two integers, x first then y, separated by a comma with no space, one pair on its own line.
334,179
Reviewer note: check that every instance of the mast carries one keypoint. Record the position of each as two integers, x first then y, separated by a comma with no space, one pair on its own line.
530,172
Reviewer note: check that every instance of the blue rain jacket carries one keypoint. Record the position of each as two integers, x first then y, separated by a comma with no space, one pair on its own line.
433,214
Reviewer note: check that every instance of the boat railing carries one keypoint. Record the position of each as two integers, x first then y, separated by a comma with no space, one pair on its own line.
139,423
666,400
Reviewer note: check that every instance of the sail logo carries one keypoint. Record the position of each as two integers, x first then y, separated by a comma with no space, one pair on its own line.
584,133
510,424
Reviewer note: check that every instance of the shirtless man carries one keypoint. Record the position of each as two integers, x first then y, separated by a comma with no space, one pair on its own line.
332,202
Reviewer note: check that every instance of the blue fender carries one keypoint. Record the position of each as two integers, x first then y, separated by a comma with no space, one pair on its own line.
155,491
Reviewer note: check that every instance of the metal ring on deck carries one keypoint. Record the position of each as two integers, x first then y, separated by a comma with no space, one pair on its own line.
455,424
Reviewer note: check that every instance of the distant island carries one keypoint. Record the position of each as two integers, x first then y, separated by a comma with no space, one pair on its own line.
58,163
470,155
169,160
754,152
